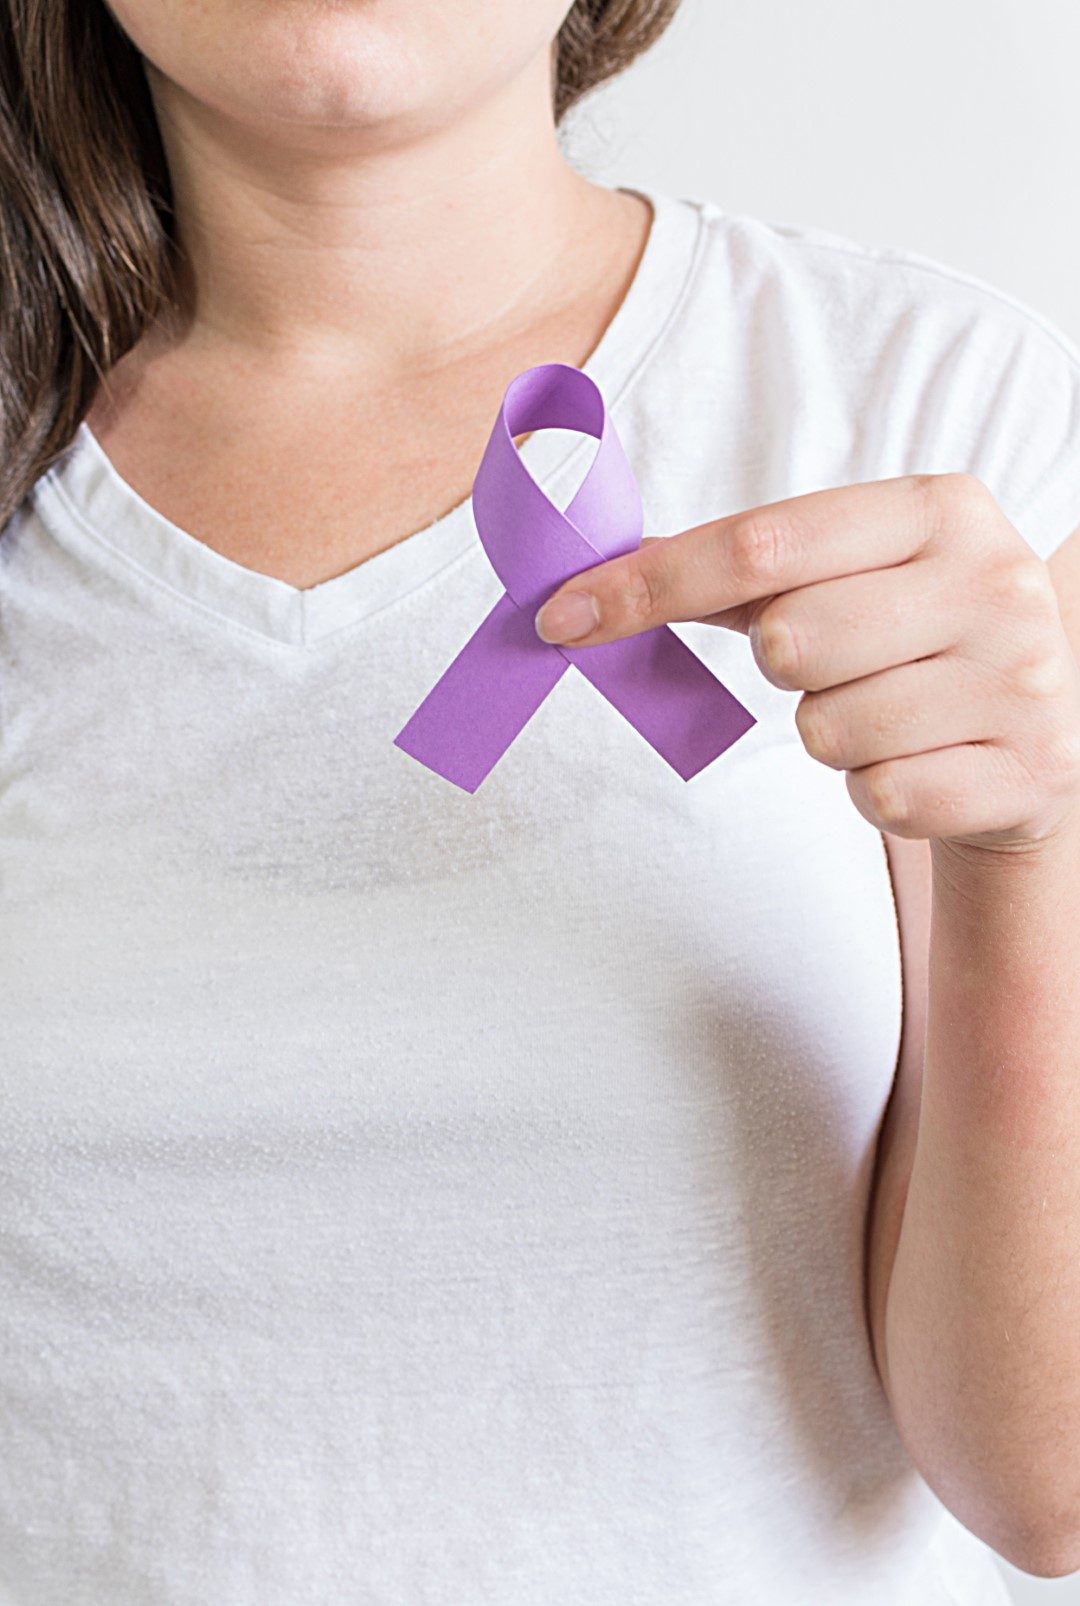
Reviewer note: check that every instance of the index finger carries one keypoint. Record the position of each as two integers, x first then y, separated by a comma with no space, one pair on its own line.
744,557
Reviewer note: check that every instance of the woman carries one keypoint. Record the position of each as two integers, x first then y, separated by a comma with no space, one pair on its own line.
413,1196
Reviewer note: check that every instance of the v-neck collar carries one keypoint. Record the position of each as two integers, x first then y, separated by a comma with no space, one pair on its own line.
84,498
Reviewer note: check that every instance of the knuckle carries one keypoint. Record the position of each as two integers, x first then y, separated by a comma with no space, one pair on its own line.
954,500
761,545
817,730
1034,587
639,593
781,644
1039,675
926,488
967,489
1019,585
886,797
962,492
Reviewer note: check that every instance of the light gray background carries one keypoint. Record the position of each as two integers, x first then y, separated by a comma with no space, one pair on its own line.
950,129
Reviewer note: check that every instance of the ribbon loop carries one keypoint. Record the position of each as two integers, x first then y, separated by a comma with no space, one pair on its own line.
498,680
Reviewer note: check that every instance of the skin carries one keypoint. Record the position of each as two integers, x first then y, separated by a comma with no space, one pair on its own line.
373,207
936,661
916,621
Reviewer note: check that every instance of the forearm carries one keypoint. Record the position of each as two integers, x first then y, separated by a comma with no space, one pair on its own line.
982,1329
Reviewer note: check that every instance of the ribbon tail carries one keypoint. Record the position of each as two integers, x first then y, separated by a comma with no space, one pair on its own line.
484,699
668,694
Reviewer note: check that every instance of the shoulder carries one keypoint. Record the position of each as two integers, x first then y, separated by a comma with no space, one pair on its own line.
878,284
914,363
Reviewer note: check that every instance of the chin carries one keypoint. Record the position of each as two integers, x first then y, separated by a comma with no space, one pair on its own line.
313,63
330,67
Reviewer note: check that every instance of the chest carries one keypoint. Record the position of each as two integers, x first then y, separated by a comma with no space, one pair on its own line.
316,1066
307,506
236,908
229,899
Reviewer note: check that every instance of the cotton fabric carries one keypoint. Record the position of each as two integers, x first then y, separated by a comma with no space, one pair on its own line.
410,1198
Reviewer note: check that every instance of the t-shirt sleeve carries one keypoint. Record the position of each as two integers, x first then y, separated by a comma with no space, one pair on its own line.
959,374
1028,452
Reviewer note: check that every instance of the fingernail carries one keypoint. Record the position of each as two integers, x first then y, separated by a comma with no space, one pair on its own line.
566,618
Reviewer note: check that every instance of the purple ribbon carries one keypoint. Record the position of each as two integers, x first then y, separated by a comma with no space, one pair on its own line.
503,673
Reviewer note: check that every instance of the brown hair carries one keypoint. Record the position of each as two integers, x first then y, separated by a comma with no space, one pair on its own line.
87,249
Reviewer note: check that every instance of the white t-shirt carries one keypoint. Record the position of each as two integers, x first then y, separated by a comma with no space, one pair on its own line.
415,1198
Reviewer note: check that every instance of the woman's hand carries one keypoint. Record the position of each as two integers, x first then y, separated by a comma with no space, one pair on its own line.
921,628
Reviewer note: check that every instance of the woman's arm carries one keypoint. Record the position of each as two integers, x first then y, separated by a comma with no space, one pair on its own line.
980,1350
931,649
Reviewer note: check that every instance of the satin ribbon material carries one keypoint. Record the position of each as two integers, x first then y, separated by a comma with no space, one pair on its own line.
504,672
